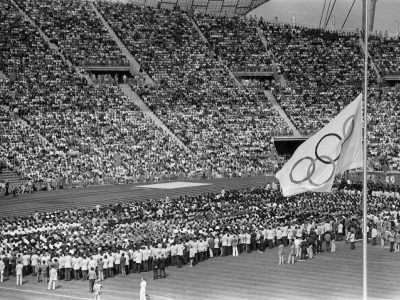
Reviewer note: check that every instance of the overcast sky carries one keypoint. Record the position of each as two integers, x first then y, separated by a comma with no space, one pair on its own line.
309,12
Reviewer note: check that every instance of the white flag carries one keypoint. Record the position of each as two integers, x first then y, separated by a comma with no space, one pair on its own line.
334,149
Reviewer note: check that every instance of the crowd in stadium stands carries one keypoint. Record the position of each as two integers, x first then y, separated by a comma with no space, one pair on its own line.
236,41
88,128
323,71
196,98
94,132
386,52
384,128
189,229
74,26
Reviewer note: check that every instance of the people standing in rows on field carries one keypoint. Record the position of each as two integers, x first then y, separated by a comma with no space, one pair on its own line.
89,234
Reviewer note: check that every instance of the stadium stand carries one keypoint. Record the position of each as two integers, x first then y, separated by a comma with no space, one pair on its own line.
385,51
228,129
195,97
88,127
323,69
74,27
235,40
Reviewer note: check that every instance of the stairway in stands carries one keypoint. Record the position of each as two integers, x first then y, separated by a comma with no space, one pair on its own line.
372,63
281,112
204,39
52,45
135,66
131,94
267,94
279,77
282,82
11,176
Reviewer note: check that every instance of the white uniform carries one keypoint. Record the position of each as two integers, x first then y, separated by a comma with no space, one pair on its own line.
143,290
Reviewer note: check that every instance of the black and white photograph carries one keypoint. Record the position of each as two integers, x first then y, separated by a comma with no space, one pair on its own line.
199,149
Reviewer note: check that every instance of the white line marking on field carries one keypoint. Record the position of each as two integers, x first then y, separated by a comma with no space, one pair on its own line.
132,293
173,185
42,293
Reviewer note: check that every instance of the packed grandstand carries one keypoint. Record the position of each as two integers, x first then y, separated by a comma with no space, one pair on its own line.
70,131
62,126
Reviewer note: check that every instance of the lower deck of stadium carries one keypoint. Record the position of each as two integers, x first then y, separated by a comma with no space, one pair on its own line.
335,275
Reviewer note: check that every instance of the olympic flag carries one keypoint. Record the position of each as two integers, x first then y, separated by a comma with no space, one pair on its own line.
334,149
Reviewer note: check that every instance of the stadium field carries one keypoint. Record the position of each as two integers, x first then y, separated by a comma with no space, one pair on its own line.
336,275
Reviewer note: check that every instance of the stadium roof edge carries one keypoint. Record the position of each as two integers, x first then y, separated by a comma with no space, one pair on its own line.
216,7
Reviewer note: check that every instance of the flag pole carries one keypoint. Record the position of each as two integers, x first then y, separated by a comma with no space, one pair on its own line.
365,236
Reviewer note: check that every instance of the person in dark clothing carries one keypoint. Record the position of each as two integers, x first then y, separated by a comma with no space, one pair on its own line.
303,246
253,241
15,191
155,268
313,239
13,265
161,266
123,265
320,239
6,262
7,187
327,239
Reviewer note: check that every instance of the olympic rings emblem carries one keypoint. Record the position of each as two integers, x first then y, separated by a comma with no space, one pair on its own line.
325,159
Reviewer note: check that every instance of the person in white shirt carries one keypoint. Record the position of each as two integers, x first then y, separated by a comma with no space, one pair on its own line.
248,242
138,260
18,271
52,278
142,289
180,249
68,266
340,231
26,258
146,256
270,237
216,245
110,266
117,263
2,267
374,234
297,243
97,289
92,263
105,266
34,263
76,263
84,267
